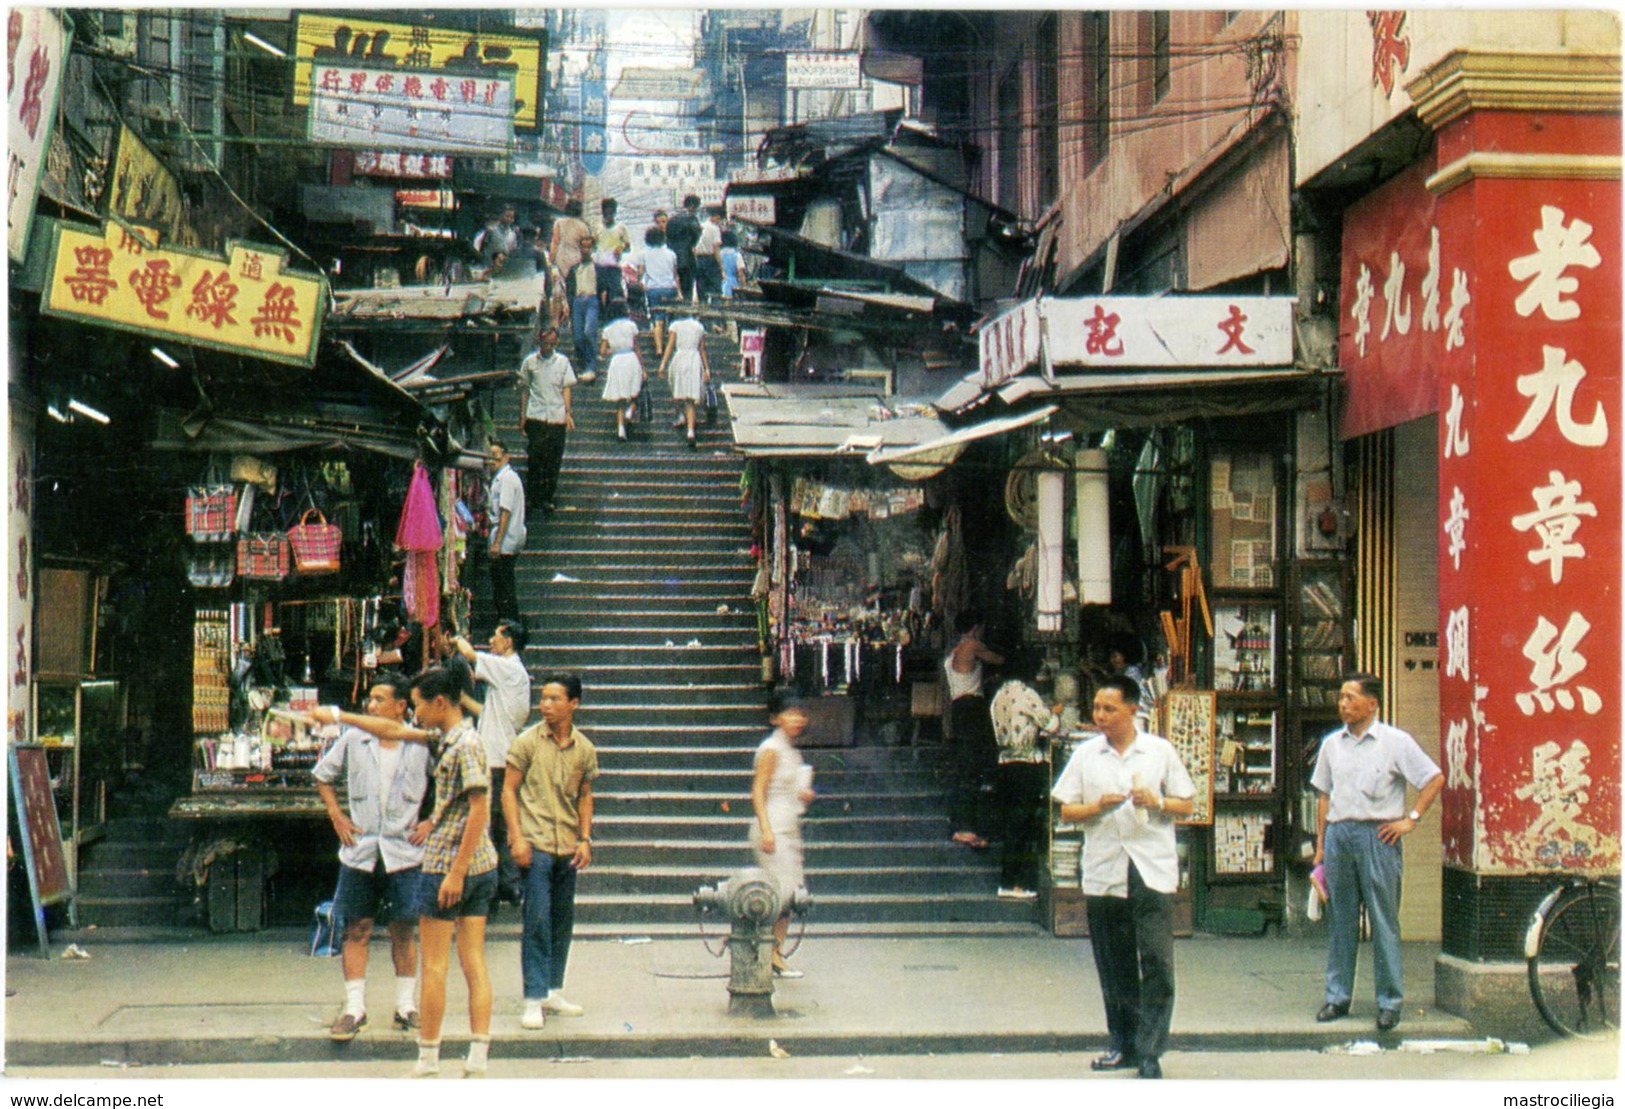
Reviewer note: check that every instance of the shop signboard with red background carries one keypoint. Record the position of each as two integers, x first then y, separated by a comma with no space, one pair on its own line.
1527,384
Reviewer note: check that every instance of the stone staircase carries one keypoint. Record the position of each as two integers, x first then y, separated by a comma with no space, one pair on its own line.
640,582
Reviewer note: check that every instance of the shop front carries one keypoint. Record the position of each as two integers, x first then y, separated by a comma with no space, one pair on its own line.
1175,519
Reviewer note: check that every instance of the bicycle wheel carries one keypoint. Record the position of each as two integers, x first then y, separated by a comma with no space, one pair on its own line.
1574,970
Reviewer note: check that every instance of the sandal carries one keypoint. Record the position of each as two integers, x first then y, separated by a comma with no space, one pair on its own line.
969,839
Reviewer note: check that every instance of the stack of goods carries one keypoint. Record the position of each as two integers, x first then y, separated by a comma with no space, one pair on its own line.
211,667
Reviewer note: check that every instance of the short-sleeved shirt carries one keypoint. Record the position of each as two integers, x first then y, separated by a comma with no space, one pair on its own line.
550,781
460,771
710,244
1116,838
567,235
507,702
612,237
659,268
1364,778
507,491
621,335
544,381
584,279
682,232
1020,719
385,810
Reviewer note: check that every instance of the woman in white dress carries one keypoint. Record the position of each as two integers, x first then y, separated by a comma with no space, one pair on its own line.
624,379
780,791
690,370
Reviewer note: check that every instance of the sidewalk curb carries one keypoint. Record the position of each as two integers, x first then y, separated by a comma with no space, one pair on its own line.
317,1048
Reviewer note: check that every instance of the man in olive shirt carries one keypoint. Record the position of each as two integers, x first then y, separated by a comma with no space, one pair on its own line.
547,797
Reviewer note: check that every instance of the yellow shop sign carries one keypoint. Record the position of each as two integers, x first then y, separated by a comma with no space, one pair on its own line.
243,303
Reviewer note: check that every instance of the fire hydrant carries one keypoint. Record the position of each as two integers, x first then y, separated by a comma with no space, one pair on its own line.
752,900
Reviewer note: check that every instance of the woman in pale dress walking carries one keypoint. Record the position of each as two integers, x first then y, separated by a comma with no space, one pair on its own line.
780,791
690,370
623,381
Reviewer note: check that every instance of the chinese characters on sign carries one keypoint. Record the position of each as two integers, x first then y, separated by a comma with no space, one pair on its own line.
37,44
392,108
757,209
394,163
823,70
1390,48
428,53
243,303
143,191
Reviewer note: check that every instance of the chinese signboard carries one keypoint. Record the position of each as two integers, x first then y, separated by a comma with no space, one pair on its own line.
440,199
709,190
1529,541
1097,332
394,163
37,49
594,112
431,52
244,303
757,209
145,192
822,70
399,108
1406,305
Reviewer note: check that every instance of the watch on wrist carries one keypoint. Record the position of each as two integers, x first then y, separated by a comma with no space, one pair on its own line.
1416,816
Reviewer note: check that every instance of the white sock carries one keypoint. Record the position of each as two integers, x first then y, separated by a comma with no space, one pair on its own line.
479,1052
355,996
428,1056
555,995
404,989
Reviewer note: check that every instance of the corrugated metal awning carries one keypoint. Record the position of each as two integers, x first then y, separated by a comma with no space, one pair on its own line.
947,448
790,421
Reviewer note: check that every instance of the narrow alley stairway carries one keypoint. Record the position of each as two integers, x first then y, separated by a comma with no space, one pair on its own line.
640,582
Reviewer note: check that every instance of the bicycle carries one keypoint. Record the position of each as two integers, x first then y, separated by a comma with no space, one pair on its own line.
1573,950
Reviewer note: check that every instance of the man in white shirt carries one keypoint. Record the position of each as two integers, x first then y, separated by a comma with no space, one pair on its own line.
708,257
380,851
507,529
502,714
1126,787
1360,775
545,380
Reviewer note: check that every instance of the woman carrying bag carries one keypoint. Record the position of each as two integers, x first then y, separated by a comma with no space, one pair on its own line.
624,379
690,370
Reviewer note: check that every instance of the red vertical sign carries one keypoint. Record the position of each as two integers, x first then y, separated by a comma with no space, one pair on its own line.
1529,511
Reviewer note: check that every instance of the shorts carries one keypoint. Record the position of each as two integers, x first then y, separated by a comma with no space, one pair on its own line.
376,895
479,890
658,299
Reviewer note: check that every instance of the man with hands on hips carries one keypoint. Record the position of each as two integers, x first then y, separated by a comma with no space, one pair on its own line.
1360,818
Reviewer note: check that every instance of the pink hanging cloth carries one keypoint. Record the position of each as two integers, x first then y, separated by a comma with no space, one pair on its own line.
419,534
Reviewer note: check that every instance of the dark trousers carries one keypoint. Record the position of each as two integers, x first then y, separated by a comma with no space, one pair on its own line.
504,593
708,275
1133,942
685,281
507,870
549,911
975,752
546,445
1020,796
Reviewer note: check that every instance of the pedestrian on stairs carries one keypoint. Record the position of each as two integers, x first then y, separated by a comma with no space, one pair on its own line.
545,382
623,380
975,749
690,368
547,798
501,715
584,310
507,529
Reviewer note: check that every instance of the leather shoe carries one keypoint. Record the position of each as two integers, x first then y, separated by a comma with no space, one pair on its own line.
1387,1020
1113,1060
1150,1068
1332,1011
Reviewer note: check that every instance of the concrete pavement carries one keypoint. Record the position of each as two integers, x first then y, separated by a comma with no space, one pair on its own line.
261,998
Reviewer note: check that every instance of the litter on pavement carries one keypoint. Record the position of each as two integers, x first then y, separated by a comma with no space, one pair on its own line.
1487,1046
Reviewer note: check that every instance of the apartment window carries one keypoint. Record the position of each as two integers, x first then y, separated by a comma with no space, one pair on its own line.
1098,90
1010,128
1048,110
1161,55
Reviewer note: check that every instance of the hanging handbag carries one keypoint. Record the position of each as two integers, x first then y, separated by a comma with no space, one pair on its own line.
264,556
315,546
710,403
211,512
212,567
645,407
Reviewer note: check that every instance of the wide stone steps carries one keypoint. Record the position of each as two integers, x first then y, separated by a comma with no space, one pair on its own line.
972,907
938,855
624,798
657,640
720,693
826,882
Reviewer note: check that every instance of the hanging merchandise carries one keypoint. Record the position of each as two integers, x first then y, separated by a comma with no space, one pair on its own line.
419,527
264,556
1051,501
420,588
212,567
254,471
315,545
211,509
